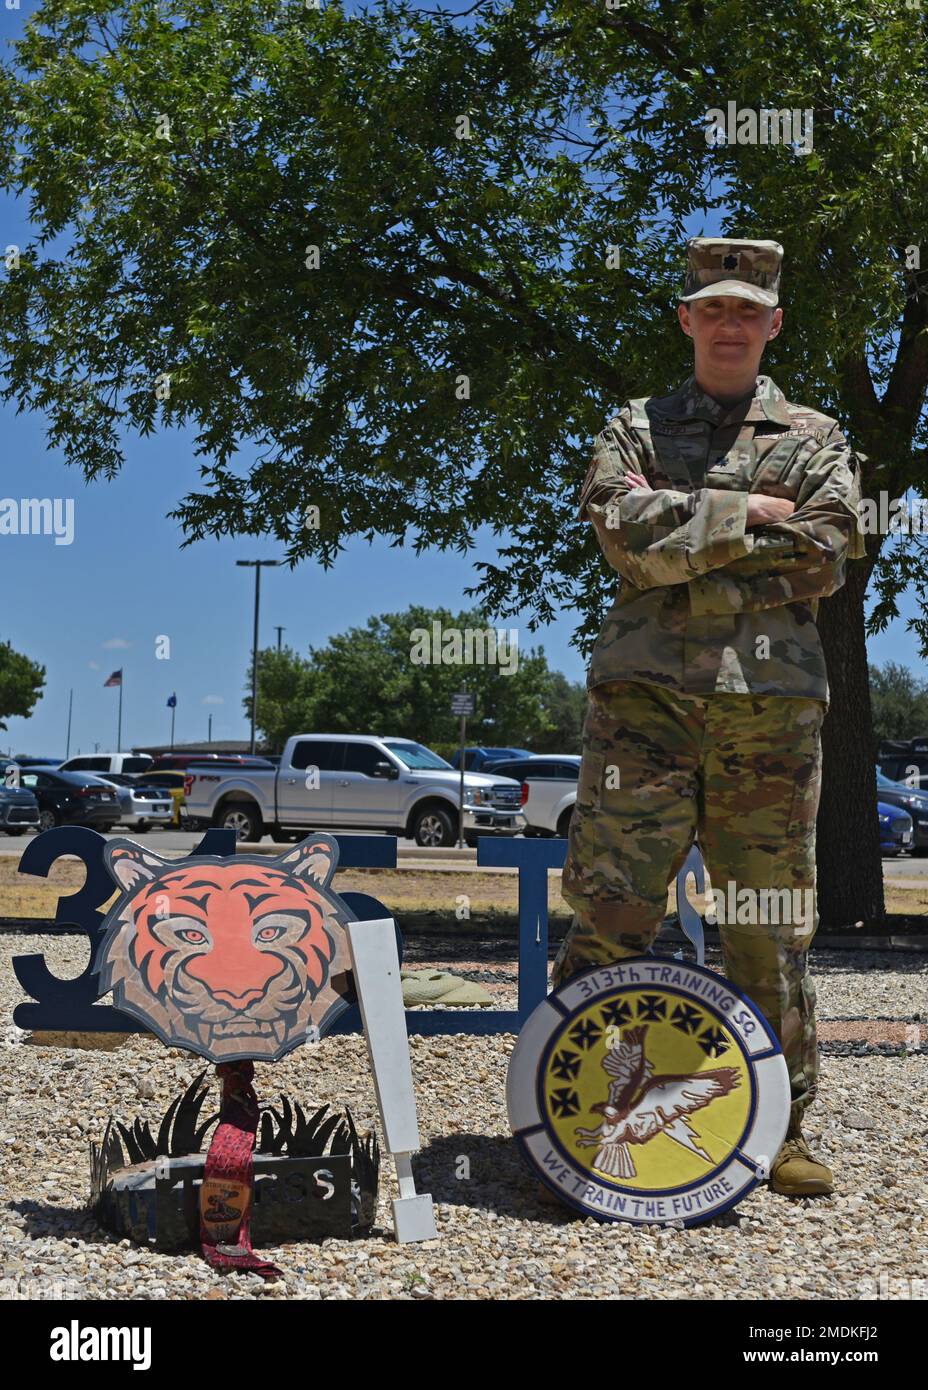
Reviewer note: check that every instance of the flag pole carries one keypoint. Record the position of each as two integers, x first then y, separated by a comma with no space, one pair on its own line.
67,750
119,725
173,711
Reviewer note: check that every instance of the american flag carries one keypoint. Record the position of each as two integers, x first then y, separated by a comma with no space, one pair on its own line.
115,679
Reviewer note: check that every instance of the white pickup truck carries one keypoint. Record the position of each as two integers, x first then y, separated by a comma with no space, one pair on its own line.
549,789
353,782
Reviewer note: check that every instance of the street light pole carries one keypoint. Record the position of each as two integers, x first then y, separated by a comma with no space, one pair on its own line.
257,566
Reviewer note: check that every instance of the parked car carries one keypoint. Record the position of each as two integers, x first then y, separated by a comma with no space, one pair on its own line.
171,782
140,804
914,782
108,762
217,760
25,760
895,829
549,790
904,766
907,799
19,809
166,762
892,746
477,759
71,798
354,782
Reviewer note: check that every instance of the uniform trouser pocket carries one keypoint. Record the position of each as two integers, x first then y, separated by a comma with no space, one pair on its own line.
762,783
633,823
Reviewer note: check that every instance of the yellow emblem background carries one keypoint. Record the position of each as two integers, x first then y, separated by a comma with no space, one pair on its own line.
661,1162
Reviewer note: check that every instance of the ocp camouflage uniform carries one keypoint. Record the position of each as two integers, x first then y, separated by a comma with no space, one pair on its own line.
707,685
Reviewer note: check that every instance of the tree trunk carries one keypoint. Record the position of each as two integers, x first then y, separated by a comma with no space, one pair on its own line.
849,866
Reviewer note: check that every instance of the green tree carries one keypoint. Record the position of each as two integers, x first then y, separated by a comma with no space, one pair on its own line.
391,677
899,700
285,695
21,684
419,259
565,706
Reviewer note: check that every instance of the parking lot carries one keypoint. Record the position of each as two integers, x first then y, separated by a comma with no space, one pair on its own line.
180,842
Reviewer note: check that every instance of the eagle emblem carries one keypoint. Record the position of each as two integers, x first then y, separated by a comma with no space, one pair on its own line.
648,1090
640,1105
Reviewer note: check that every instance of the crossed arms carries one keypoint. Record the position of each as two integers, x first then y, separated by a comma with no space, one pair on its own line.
738,552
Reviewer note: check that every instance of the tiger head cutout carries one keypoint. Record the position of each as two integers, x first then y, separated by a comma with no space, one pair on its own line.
235,958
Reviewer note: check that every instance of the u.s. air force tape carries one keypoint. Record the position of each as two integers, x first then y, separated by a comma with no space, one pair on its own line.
649,1091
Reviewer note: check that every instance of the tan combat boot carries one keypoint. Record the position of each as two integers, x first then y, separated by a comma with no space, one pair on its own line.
795,1173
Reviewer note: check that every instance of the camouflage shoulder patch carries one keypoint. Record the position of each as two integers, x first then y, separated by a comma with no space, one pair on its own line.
805,420
638,416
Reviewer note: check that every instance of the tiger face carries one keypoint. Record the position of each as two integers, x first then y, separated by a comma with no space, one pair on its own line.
232,958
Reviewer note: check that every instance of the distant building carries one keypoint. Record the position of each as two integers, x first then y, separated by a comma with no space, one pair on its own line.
227,745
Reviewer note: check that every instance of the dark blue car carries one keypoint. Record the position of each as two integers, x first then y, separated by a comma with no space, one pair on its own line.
895,828
912,800
478,759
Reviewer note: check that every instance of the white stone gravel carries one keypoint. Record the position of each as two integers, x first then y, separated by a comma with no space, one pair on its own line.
496,1240
877,984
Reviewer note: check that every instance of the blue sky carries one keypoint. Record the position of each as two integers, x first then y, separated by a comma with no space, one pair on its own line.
85,609
102,602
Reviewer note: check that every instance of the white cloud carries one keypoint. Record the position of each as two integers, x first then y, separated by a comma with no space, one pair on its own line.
94,665
114,642
213,700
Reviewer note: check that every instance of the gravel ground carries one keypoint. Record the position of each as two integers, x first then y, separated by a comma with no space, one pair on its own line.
496,1239
896,982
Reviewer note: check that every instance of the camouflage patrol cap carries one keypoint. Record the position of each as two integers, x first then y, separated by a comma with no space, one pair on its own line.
718,265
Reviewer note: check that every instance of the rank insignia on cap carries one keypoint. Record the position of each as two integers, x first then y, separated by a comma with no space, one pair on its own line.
723,266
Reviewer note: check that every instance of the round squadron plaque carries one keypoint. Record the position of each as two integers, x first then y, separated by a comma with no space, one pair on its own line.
649,1091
